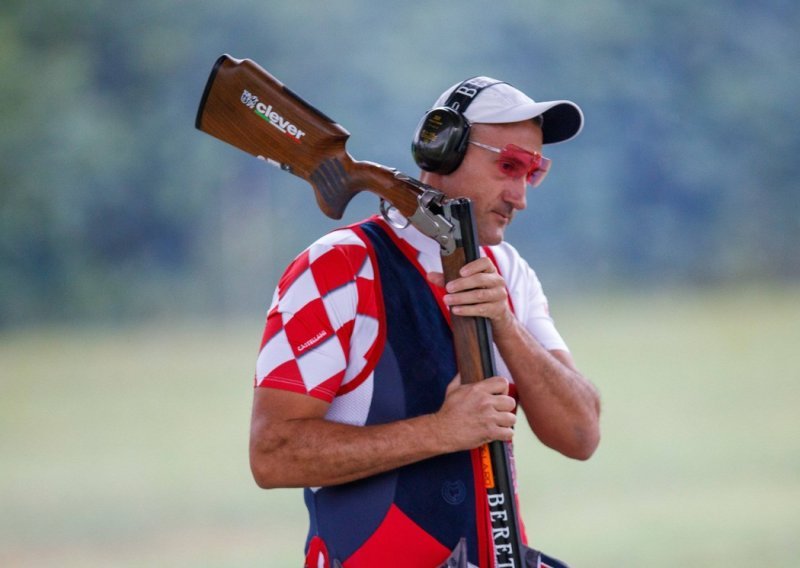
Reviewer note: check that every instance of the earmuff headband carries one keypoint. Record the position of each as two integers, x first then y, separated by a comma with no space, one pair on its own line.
463,95
440,141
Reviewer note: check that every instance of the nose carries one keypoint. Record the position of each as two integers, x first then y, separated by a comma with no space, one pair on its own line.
515,194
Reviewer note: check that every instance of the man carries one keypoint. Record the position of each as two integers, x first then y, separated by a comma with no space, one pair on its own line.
357,396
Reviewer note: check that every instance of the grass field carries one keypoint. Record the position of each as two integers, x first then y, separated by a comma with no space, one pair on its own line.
128,446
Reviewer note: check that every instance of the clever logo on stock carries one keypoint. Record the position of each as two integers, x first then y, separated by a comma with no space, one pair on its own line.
272,117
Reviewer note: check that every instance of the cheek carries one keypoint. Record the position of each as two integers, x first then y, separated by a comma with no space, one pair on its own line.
476,179
474,182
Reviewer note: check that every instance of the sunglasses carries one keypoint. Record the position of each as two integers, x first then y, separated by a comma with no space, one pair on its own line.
516,162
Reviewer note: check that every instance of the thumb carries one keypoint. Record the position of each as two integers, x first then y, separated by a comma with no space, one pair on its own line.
454,384
495,385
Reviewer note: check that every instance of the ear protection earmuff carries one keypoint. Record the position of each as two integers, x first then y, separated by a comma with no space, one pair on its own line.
440,141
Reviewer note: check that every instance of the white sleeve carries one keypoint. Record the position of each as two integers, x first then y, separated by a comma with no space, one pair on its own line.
527,297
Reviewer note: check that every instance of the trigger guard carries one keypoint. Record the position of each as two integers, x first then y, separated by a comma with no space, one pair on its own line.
387,209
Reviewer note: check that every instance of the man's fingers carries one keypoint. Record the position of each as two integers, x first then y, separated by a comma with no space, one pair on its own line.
479,280
454,384
501,401
475,296
495,385
478,413
482,264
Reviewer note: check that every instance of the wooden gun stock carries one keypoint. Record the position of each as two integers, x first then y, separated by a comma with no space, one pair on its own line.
250,109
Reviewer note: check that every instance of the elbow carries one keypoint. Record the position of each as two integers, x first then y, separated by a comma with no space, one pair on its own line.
267,477
262,474
270,458
263,481
266,469
585,447
274,469
585,442
580,445
587,435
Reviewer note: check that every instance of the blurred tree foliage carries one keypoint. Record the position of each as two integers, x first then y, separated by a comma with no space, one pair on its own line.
113,206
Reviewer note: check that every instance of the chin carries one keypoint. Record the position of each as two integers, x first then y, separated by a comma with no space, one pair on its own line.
491,240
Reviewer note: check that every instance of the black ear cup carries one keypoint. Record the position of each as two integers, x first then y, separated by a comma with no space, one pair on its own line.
442,135
441,140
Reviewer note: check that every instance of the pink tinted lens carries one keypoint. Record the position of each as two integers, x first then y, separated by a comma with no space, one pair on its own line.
538,174
517,162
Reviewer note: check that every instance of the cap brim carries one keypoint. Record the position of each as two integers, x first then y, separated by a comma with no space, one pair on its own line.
563,120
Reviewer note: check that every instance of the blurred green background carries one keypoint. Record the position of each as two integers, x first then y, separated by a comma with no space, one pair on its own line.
138,257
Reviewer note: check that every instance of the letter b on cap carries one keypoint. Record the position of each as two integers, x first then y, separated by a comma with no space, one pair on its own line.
466,91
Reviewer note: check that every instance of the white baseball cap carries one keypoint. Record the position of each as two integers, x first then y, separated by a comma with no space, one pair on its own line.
500,103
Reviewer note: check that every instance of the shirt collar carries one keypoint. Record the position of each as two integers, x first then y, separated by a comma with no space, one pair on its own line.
427,249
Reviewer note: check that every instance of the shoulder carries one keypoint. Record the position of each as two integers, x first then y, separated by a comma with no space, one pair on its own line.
345,243
527,296
334,258
511,264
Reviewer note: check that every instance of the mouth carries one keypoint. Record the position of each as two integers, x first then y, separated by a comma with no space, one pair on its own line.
504,216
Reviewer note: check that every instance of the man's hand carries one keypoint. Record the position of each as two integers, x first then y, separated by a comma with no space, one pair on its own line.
293,445
561,405
479,291
475,414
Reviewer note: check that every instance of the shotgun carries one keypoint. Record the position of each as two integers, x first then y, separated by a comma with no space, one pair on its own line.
246,107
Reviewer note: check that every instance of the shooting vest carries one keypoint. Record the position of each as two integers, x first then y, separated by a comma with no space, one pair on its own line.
414,515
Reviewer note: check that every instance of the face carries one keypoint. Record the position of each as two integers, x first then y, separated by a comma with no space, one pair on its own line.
496,197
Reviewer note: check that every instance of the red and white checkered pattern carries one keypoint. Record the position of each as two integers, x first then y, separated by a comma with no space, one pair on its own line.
323,319
323,328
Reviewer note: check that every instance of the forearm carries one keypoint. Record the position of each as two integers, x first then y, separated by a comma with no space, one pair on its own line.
562,406
293,445
311,452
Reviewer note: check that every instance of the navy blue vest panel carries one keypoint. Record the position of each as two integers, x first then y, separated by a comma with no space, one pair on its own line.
410,379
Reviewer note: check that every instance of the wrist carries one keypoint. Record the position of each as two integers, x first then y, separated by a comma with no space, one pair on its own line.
437,441
504,325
